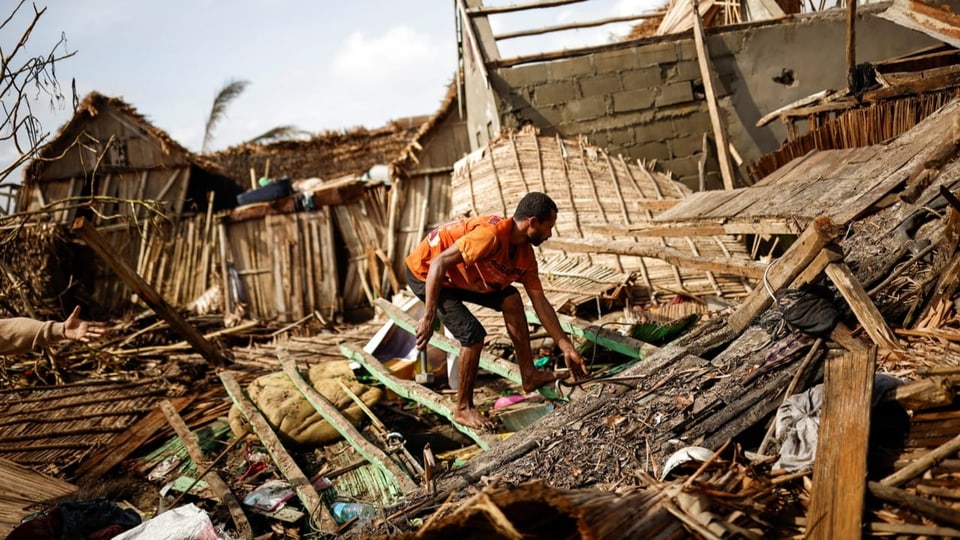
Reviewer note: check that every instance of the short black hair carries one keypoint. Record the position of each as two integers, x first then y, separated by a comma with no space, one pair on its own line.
535,204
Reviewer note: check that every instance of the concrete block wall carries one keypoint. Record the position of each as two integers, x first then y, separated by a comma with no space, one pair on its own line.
647,101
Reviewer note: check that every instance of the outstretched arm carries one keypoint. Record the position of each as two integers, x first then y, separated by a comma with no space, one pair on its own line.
434,282
548,318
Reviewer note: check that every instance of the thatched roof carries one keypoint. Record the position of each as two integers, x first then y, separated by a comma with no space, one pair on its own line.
92,105
326,155
597,195
408,156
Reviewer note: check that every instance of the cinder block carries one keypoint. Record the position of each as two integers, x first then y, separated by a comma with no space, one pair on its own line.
685,146
600,85
571,68
692,124
687,166
551,115
646,77
633,100
621,138
554,92
584,109
651,150
657,53
526,75
652,132
671,94
615,61
685,70
687,49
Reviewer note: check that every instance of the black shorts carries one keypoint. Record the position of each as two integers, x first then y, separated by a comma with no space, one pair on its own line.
454,315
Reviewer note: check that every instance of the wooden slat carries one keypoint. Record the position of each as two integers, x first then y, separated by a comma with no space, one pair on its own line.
837,500
411,390
626,345
351,434
219,487
284,461
862,306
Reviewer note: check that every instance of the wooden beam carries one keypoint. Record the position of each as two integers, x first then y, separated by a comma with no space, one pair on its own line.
490,10
925,507
837,500
703,228
719,134
350,433
89,234
282,459
626,345
499,366
219,487
863,307
574,26
803,251
722,265
922,464
411,390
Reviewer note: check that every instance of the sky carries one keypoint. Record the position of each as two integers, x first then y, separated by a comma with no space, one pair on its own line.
317,65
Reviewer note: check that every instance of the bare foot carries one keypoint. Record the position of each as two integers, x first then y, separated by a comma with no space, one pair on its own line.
472,419
539,378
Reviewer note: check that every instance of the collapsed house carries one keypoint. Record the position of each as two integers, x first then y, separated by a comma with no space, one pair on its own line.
691,438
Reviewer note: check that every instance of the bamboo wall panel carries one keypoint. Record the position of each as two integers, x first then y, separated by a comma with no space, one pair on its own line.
363,225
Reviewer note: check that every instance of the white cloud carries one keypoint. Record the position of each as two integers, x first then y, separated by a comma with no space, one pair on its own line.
399,52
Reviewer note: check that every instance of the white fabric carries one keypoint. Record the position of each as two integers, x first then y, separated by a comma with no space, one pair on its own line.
185,522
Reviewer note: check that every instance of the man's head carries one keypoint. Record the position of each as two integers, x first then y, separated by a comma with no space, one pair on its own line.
541,212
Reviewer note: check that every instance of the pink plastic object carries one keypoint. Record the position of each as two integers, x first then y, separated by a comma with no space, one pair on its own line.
506,401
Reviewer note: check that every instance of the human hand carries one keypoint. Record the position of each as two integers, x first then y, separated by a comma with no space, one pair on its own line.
425,329
574,362
79,330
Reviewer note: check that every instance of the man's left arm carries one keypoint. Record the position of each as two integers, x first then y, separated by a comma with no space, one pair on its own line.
548,318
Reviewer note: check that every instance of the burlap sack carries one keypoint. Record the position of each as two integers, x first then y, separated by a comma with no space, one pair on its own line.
289,413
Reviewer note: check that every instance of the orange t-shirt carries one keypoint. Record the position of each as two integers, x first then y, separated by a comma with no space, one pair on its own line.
487,266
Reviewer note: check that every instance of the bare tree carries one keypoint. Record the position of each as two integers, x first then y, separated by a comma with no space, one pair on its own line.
24,81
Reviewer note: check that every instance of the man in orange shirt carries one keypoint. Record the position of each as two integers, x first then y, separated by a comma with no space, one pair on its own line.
476,260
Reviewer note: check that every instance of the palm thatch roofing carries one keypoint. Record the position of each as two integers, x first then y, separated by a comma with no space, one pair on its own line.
92,105
327,155
596,194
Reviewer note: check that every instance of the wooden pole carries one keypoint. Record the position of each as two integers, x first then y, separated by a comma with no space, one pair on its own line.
335,418
411,390
89,234
720,136
219,487
284,461
851,35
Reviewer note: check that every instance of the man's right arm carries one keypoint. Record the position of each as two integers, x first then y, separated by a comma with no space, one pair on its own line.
20,334
434,282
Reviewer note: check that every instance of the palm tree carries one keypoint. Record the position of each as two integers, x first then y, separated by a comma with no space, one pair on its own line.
230,91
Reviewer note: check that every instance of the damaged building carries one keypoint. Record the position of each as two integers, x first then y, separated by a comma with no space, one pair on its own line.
755,253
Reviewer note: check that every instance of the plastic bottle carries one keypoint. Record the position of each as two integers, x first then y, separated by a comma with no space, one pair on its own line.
345,511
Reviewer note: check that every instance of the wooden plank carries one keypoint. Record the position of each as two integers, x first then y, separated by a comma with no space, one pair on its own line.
219,487
128,442
806,248
499,366
626,345
863,307
925,507
706,74
490,10
350,433
723,265
411,390
837,500
284,461
147,293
